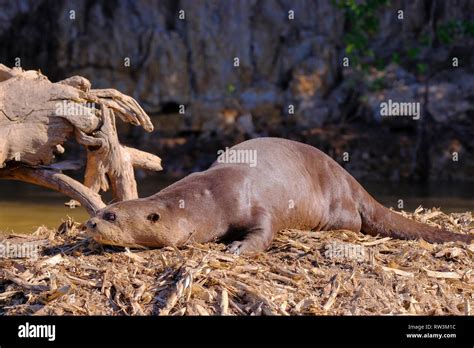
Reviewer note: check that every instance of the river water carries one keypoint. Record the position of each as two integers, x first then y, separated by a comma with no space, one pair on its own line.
25,207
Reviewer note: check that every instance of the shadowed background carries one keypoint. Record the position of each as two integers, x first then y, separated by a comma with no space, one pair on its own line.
283,62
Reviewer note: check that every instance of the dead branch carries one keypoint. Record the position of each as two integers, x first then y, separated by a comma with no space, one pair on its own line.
38,116
57,181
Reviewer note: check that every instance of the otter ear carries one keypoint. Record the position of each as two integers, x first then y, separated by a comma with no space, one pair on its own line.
153,217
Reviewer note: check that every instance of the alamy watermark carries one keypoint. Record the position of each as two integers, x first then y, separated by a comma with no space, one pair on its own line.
28,330
345,251
245,156
74,109
393,108
19,250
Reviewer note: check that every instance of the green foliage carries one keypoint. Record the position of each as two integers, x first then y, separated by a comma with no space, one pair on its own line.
378,84
425,40
449,31
379,64
413,52
362,22
421,68
396,58
230,88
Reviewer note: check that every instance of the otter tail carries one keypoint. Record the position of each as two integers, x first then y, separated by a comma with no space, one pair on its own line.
378,220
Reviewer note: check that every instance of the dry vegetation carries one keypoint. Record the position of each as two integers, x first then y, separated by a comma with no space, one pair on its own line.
297,276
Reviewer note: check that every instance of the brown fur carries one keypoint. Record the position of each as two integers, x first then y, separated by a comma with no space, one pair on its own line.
293,185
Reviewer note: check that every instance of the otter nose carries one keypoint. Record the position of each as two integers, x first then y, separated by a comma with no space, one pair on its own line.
92,224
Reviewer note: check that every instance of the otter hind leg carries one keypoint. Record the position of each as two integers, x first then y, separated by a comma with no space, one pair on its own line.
347,218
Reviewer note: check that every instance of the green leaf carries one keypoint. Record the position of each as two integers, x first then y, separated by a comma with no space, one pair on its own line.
230,88
413,52
380,64
468,28
425,40
378,84
421,68
396,58
349,48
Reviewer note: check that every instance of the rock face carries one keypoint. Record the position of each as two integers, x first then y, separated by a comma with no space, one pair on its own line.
244,68
182,59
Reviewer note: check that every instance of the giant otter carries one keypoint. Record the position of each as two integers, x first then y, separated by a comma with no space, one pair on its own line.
283,184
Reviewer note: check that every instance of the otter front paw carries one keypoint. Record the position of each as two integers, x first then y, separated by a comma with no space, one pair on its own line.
236,247
244,247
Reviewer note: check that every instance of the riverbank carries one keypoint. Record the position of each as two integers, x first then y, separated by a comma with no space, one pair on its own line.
24,207
304,273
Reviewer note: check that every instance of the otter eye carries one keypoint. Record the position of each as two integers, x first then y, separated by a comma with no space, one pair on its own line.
153,217
110,217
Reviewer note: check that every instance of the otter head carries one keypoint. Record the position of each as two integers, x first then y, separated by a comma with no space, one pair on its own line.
134,223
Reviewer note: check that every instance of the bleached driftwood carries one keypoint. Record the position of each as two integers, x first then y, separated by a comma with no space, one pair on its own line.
38,116
57,181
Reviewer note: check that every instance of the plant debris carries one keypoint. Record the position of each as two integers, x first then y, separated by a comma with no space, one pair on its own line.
303,273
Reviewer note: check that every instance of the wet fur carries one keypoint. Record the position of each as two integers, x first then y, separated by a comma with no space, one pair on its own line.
249,205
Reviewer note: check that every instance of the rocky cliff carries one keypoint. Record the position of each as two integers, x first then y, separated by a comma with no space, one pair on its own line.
211,73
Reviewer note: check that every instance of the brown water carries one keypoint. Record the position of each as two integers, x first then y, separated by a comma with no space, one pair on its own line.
25,207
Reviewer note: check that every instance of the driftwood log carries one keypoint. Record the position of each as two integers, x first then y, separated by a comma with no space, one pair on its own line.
38,116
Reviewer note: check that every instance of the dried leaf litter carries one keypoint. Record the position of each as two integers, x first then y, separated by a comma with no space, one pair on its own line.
304,273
